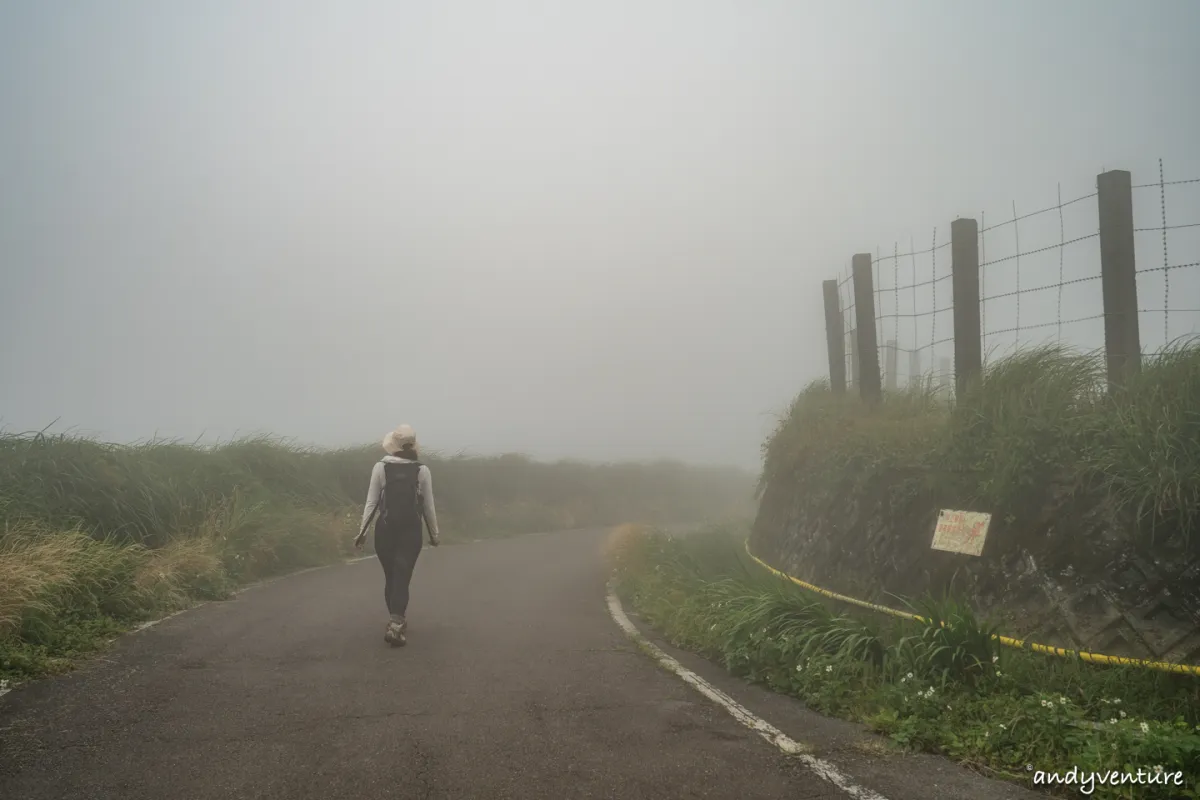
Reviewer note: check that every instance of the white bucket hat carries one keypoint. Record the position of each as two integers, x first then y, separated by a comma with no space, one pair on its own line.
397,439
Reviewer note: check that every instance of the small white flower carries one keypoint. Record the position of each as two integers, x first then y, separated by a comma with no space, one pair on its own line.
986,734
1122,715
1112,721
995,659
948,708
908,676
999,674
1003,727
1145,727
1062,701
829,668
1158,769
1117,701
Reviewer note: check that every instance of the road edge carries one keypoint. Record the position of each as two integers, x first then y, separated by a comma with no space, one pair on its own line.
768,732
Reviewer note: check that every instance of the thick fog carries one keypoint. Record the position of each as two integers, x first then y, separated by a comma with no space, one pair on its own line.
594,230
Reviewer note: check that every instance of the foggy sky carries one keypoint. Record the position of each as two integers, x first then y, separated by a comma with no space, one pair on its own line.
594,230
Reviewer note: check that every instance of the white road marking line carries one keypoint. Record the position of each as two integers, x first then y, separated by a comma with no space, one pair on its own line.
154,622
260,584
766,730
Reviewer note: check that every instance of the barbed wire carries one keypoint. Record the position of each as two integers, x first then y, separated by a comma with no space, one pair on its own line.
1167,227
1018,256
1059,285
923,347
1164,230
1061,205
1165,268
1167,183
1048,324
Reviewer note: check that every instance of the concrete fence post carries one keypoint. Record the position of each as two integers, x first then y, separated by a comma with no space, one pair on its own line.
870,385
1118,276
835,337
968,333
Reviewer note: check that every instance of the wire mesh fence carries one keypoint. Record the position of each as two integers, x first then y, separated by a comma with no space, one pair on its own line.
1040,281
1168,285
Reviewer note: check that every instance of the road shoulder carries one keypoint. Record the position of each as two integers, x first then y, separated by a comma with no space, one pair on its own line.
870,760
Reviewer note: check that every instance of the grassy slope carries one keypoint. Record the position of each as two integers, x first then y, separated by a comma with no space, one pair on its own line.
1038,443
97,537
945,687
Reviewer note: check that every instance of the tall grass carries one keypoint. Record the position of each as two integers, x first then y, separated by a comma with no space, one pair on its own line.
1037,422
1148,458
95,537
146,493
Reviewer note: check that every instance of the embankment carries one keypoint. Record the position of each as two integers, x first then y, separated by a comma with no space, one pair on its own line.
1095,499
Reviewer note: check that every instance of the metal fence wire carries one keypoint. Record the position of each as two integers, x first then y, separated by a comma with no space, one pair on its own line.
1040,281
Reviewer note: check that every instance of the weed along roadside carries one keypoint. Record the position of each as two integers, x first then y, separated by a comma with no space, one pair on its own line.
1007,641
944,685
97,539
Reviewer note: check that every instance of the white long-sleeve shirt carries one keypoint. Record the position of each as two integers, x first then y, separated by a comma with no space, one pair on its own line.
424,488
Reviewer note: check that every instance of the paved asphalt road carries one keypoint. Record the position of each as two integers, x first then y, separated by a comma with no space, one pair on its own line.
516,683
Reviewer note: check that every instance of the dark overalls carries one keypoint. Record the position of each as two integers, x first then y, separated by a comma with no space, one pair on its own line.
398,531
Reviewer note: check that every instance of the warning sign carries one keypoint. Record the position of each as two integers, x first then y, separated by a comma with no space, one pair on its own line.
961,531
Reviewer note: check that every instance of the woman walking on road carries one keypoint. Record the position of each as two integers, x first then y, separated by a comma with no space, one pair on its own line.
401,493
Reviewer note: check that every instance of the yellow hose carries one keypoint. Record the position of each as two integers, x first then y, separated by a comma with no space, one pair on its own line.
1095,658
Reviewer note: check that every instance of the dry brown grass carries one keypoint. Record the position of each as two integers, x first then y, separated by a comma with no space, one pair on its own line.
623,543
172,575
33,562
